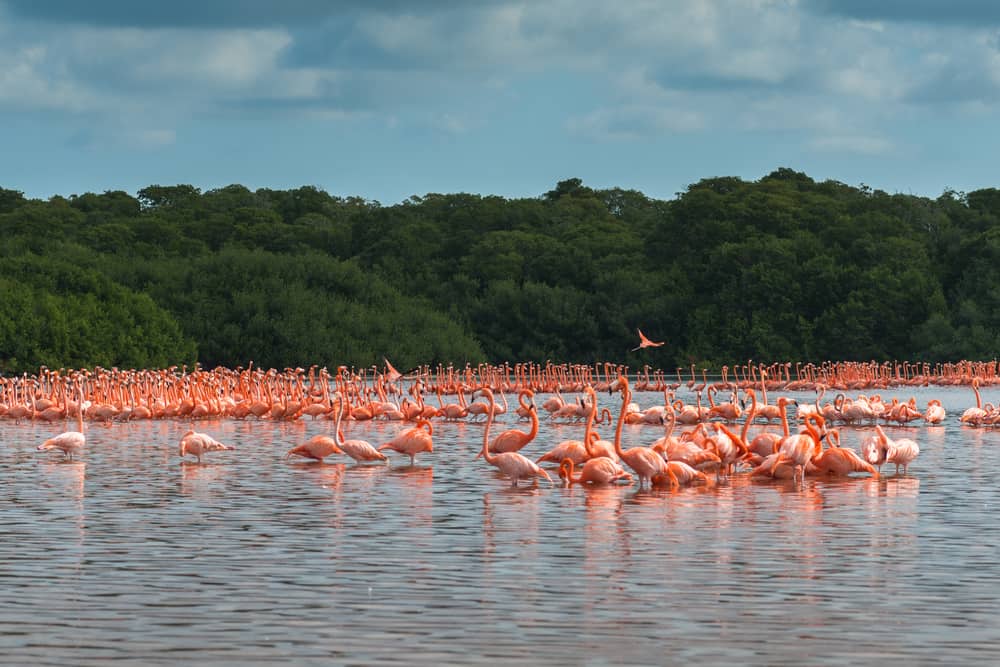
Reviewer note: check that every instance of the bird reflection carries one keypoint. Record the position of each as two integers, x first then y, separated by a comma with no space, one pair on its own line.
201,480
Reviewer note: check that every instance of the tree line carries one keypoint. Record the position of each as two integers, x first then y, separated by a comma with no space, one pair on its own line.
782,268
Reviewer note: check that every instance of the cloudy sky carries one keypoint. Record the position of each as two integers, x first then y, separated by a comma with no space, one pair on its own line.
390,98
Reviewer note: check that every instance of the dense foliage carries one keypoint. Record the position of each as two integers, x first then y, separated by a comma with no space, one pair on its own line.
784,268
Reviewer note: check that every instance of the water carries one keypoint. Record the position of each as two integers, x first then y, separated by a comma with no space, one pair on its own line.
131,556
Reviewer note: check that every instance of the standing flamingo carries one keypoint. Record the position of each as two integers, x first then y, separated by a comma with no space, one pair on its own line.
317,447
70,442
359,450
197,444
901,452
412,441
512,464
600,470
513,440
643,460
837,460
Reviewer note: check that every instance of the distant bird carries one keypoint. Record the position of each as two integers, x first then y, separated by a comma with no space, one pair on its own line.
392,375
645,342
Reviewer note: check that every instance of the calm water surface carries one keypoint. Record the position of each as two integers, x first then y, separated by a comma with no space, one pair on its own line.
132,556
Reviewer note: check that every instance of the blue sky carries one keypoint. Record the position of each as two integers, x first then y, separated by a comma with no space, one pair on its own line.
385,99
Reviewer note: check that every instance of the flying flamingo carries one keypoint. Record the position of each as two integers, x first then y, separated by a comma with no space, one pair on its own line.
935,413
412,441
69,442
645,342
512,464
600,470
197,444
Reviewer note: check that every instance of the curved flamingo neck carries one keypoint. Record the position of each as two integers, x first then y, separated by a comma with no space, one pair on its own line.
782,402
490,458
750,416
626,397
589,430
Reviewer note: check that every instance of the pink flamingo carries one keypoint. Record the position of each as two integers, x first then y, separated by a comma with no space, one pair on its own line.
412,441
600,470
512,464
513,440
901,452
197,444
643,460
359,450
935,413
800,448
645,342
680,474
317,447
70,442
840,461
976,415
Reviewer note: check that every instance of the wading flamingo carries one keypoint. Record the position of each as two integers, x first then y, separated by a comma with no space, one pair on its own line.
976,415
412,441
196,444
317,447
600,470
680,474
901,452
70,442
513,440
643,460
512,464
935,413
359,450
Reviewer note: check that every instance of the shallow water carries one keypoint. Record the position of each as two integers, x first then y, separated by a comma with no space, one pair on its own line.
132,556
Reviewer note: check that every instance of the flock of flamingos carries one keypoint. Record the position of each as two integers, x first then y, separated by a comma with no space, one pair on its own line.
701,444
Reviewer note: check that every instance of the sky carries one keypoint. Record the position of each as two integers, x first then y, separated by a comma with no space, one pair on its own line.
386,99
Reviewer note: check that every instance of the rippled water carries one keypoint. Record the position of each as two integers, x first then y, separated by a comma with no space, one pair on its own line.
131,555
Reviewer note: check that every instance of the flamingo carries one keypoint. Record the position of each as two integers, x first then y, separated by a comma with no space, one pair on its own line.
317,447
643,460
679,473
935,413
197,444
412,441
837,460
976,415
800,448
512,464
359,450
69,442
512,440
901,452
645,342
600,470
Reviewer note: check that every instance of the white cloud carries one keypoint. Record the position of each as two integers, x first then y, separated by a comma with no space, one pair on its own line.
861,145
632,123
